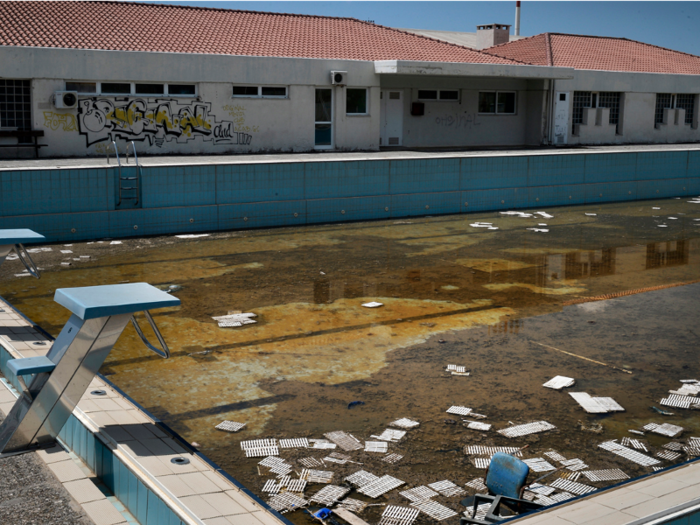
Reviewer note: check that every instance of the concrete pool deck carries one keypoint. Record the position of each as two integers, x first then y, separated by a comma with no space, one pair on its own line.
195,160
194,493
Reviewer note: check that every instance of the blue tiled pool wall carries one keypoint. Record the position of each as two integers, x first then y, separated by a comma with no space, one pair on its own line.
74,204
138,499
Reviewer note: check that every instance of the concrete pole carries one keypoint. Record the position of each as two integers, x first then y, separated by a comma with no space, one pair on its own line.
517,19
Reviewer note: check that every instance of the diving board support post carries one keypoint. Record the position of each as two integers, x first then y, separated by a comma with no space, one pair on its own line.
56,382
15,240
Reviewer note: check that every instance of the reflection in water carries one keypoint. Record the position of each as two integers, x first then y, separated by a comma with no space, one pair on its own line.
670,253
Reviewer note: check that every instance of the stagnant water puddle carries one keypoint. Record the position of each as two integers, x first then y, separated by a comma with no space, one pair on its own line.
452,294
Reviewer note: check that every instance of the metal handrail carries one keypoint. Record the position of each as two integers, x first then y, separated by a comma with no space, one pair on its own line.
165,352
133,147
32,269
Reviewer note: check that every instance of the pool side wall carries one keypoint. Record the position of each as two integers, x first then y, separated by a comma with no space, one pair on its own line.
79,204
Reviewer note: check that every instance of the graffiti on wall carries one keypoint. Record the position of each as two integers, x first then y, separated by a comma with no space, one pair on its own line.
56,121
155,122
457,120
237,113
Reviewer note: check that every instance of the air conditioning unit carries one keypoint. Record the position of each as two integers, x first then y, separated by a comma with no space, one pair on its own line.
339,78
65,99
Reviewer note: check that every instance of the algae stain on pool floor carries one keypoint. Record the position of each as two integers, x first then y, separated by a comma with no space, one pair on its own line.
315,349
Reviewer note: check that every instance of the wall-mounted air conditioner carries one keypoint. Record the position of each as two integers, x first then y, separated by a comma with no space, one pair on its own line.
339,78
65,99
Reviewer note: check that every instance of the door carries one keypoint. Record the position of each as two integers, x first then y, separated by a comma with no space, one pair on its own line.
561,118
391,111
323,133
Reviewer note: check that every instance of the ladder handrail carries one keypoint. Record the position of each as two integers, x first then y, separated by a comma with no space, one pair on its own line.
133,147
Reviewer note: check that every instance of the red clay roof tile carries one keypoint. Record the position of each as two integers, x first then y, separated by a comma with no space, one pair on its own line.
597,53
127,26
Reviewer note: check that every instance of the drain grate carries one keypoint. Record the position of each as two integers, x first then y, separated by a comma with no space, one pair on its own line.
329,495
392,458
572,476
391,435
539,465
296,485
562,496
628,453
572,486
257,443
395,515
480,513
447,488
537,488
482,463
613,474
380,486
376,446
553,454
634,443
526,429
294,443
434,510
674,445
458,410
677,401
344,440
361,478
574,464
404,423
665,430
259,452
336,457
271,486
421,493
322,444
272,461
230,426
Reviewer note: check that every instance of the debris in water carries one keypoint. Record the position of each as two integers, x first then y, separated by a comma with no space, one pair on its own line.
447,488
380,486
354,505
476,425
192,235
355,403
662,225
372,304
395,515
271,487
591,214
596,428
627,442
613,474
655,208
477,484
294,443
572,486
526,429
113,242
572,476
329,495
421,493
481,463
638,432
673,445
521,214
539,465
479,450
404,423
596,405
688,389
662,412
391,435
376,446
553,454
392,458
237,319
66,251
344,440
559,382
258,448
434,510
322,444
538,488
195,444
673,218
668,455
230,426
316,476
539,230
665,430
310,462
544,214
287,502
458,410
296,485
628,453
361,478
481,225
574,465
676,401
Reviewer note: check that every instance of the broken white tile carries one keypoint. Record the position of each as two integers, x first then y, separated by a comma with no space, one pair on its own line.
480,450
477,484
380,486
421,493
329,495
668,455
317,476
544,214
113,242
391,435
596,405
294,443
372,304
526,429
66,251
476,425
434,510
559,382
404,423
192,235
628,453
287,502
572,486
458,410
376,446
392,458
230,426
361,478
447,488
539,465
539,230
344,440
614,474
395,515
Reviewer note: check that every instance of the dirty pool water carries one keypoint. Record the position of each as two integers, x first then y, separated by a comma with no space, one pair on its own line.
451,294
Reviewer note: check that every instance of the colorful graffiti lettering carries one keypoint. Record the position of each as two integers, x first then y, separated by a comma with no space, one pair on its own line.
65,121
101,119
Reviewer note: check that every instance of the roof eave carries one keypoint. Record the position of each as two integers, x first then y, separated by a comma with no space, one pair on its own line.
463,69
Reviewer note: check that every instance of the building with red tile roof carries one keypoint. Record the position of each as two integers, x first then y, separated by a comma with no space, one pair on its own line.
194,80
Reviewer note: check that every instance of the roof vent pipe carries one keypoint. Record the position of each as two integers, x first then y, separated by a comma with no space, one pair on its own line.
516,32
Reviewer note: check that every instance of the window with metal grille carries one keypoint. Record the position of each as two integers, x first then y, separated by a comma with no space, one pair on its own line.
611,99
582,99
15,104
686,102
663,101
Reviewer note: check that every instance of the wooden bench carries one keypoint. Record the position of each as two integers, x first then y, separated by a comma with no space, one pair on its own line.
25,139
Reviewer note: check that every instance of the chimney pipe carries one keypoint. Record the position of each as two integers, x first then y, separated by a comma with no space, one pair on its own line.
517,19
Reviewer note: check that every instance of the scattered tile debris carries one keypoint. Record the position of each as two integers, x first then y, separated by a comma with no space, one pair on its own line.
376,446
344,440
296,485
404,423
310,462
637,432
481,463
395,515
688,389
114,242
361,478
678,401
613,474
459,410
665,430
434,510
553,454
476,425
287,502
391,435
233,320
447,488
372,304
539,230
667,454
538,488
481,511
528,428
482,225
559,382
635,443
520,214
380,486
258,448
337,457
294,443
572,486
322,444
392,458
571,476
596,405
271,486
561,496
457,370
628,453
416,494
354,505
479,450
590,214
673,445
316,476
329,495
230,426
539,465
477,484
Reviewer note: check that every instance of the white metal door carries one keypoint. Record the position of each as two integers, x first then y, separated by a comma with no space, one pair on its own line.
392,118
561,118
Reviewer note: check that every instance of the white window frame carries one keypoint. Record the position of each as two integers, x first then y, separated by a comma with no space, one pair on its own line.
132,89
366,103
497,113
259,89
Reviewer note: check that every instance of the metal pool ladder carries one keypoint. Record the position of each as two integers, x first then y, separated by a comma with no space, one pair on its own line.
128,183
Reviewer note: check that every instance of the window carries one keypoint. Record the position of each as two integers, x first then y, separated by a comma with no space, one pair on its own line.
686,102
611,99
15,104
663,101
497,102
356,101
149,89
603,99
123,88
449,95
260,91
430,94
181,89
82,87
434,94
